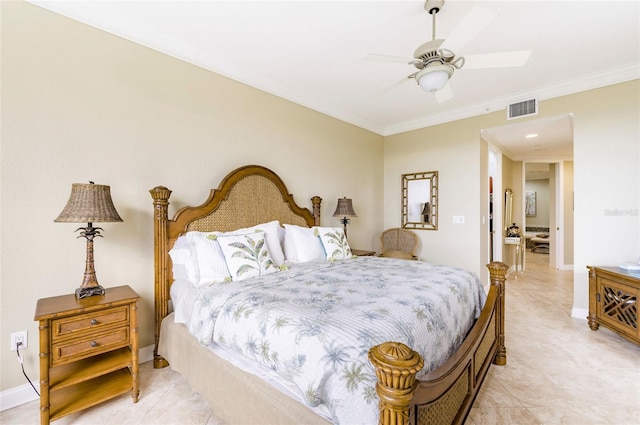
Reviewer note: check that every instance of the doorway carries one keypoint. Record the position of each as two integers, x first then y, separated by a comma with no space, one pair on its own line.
538,194
537,145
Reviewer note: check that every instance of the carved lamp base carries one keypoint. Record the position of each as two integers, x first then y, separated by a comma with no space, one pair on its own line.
89,291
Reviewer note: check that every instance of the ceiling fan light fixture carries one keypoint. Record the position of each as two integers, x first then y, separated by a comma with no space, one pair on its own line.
434,77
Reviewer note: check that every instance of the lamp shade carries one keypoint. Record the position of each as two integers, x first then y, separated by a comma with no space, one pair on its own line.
434,77
344,208
89,203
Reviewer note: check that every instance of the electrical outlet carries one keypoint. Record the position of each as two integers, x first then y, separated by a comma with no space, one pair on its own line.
19,337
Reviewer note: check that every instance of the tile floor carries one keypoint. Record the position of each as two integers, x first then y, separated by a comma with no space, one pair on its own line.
558,371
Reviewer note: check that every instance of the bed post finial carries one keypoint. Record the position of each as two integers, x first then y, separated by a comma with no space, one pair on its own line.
160,195
396,367
315,201
497,274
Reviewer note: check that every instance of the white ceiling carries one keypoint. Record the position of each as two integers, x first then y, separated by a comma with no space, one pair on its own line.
311,52
548,138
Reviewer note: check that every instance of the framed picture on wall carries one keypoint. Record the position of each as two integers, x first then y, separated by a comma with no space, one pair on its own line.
530,204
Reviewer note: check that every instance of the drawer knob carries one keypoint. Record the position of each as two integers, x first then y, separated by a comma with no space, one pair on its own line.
94,322
94,344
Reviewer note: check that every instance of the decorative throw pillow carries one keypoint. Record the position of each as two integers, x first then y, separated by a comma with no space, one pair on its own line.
210,264
271,231
301,245
246,255
334,241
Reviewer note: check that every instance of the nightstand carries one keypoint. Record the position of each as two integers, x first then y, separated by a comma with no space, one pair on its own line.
363,253
88,350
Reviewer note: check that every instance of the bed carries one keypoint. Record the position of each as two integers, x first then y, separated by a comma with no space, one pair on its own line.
404,390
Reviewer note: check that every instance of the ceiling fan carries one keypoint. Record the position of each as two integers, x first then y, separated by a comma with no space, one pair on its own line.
436,59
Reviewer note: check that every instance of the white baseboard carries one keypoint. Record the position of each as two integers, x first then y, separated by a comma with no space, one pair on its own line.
22,394
18,395
579,313
145,354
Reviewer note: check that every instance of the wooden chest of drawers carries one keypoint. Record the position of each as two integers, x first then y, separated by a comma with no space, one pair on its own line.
88,350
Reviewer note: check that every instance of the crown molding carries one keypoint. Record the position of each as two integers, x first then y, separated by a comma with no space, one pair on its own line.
561,88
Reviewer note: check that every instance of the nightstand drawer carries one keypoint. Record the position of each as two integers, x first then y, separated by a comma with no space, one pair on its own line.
88,346
94,321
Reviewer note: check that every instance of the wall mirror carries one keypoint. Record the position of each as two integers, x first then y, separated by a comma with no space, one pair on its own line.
420,200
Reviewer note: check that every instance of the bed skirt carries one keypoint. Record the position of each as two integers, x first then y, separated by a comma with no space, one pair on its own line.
236,396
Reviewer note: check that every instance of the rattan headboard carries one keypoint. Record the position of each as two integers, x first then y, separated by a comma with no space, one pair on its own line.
247,196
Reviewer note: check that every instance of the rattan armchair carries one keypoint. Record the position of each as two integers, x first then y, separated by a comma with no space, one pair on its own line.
399,243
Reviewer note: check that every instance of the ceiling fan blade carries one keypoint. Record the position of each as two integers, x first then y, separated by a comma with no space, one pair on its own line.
391,87
497,60
475,21
444,93
374,57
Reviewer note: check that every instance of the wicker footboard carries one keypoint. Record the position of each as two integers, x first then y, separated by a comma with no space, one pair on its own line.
445,395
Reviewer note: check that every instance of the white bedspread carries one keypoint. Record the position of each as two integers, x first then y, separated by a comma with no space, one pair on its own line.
312,325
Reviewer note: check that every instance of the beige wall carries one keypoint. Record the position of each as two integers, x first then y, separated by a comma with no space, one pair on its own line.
80,104
454,150
606,178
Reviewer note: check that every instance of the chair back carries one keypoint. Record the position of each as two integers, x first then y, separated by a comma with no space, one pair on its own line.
399,243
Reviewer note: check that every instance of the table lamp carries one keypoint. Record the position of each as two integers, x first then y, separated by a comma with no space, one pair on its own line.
345,210
90,203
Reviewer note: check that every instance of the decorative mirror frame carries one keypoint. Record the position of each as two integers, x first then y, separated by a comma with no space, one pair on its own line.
417,187
508,209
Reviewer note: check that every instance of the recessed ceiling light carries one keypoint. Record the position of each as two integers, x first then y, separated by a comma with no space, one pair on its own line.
531,136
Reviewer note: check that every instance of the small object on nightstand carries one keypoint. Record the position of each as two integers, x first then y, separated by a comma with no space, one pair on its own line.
363,253
88,350
513,231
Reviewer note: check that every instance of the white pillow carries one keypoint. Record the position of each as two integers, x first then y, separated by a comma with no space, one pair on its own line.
246,255
209,258
334,242
301,245
184,263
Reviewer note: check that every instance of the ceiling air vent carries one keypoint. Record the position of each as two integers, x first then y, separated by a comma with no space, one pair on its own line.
522,109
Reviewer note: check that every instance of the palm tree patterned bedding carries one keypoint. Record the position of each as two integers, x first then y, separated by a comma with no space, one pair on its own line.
311,326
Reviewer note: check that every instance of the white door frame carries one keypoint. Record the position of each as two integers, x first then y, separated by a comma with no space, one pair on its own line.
498,204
